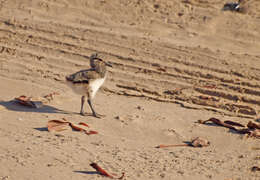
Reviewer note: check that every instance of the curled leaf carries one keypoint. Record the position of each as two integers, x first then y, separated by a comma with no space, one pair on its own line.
83,124
217,122
253,125
234,123
60,125
200,142
103,172
26,101
57,125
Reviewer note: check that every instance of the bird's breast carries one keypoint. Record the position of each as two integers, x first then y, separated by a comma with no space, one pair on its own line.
96,84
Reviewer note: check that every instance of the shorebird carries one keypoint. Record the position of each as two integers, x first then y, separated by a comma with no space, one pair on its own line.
87,82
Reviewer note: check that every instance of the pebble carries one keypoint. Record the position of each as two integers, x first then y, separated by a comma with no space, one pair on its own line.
20,119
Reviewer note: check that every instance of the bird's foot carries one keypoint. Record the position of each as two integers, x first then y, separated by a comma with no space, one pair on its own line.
98,115
82,113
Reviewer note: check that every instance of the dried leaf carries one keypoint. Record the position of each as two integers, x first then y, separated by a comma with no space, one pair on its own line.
83,124
218,122
57,125
26,101
234,123
255,133
253,125
200,142
255,168
91,132
103,172
100,170
253,129
60,125
76,128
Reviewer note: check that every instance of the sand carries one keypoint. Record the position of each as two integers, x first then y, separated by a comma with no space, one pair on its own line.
174,63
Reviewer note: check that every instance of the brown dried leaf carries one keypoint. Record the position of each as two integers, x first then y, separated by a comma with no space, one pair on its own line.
57,125
200,142
217,122
60,125
255,133
255,168
234,123
253,125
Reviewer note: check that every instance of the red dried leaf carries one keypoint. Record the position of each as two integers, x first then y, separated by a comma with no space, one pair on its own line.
91,132
103,172
100,170
26,101
76,128
83,124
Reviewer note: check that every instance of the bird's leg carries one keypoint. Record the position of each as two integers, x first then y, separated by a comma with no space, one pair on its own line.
93,111
82,106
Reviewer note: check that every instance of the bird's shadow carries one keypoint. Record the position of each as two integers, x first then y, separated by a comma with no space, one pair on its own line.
87,172
15,106
41,129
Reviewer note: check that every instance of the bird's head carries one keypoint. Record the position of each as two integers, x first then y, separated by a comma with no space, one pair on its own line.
95,61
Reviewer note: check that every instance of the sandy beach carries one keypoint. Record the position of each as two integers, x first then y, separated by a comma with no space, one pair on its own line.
174,63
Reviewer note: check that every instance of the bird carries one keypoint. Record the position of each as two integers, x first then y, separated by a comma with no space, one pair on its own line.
88,81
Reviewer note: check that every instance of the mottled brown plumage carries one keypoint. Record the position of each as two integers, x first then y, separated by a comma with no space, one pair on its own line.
87,82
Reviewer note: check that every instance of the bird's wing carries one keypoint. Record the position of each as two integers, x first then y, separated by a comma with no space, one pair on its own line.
83,76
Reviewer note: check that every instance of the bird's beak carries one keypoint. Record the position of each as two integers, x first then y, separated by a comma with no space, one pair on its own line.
108,64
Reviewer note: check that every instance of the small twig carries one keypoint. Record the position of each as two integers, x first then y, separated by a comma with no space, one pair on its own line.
196,142
171,145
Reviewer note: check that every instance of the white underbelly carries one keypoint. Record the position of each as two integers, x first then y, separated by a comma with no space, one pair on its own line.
83,89
95,85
